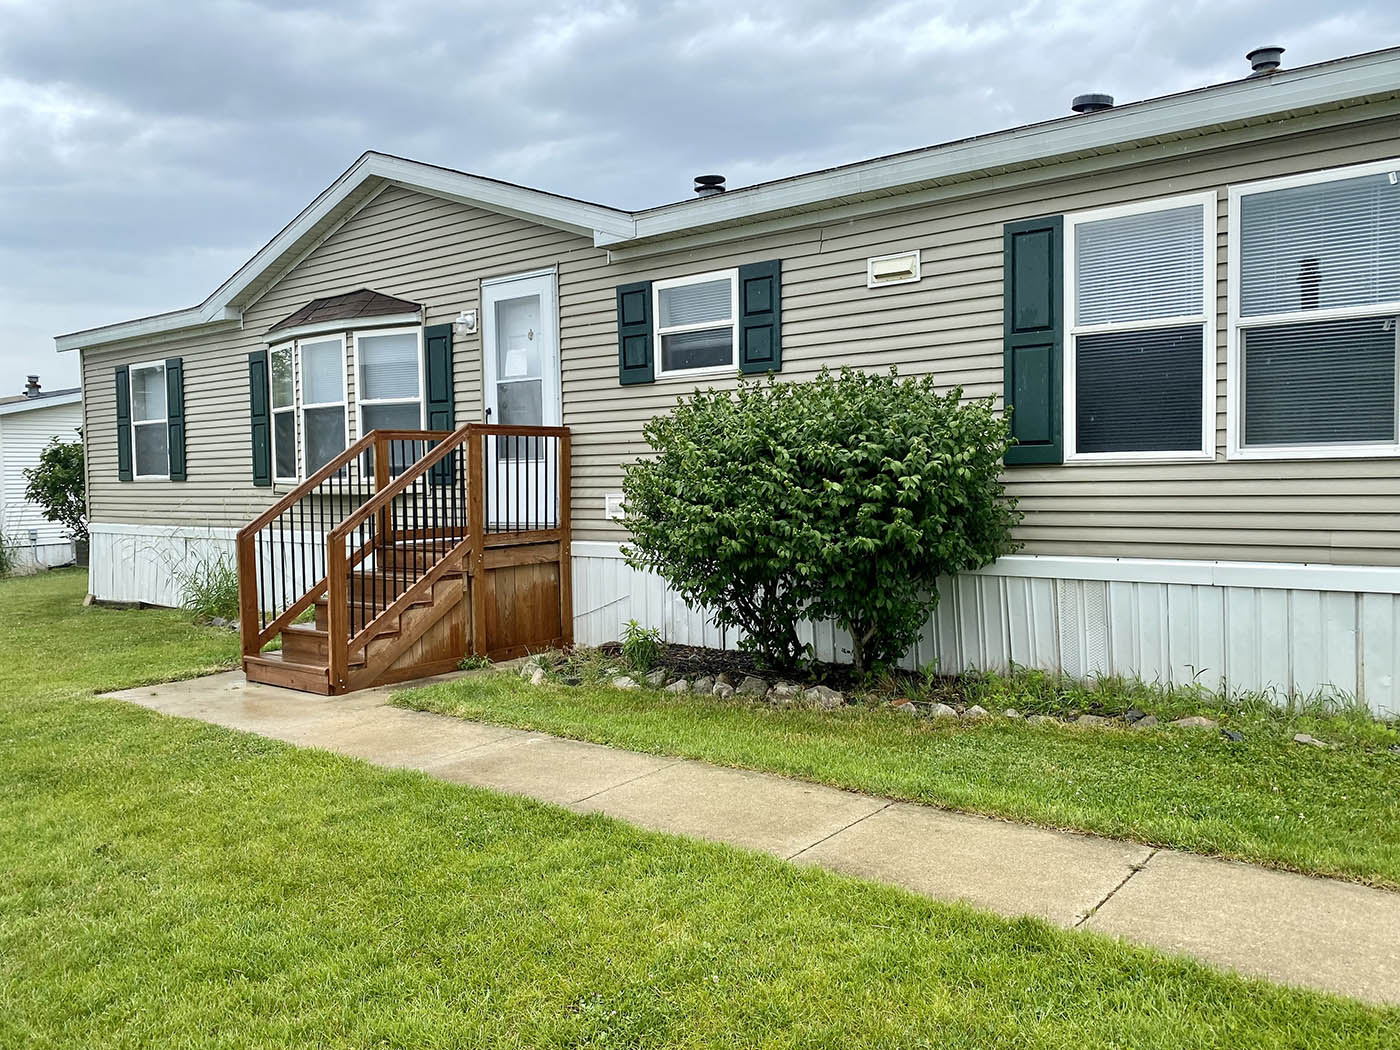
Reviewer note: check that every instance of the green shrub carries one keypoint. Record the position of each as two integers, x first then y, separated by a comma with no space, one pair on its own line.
209,587
55,486
9,555
641,646
843,498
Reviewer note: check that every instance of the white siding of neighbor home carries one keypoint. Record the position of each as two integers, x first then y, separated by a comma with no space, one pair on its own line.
23,436
949,324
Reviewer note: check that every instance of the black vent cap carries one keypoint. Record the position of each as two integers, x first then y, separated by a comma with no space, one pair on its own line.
1091,103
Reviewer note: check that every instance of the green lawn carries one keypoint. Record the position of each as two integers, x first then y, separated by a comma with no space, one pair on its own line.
169,883
1265,799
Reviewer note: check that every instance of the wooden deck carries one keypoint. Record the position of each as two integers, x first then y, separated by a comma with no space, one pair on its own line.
405,553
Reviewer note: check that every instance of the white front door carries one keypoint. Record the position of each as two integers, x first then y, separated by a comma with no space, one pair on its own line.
520,381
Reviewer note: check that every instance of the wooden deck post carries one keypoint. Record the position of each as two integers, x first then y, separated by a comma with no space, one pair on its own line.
248,626
476,532
566,559
337,612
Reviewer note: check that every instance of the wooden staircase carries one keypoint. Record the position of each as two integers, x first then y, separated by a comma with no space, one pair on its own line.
367,579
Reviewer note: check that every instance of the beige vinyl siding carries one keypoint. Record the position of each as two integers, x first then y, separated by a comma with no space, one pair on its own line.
402,243
949,324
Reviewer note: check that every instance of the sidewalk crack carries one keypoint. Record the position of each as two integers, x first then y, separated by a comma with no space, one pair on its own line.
624,783
1133,870
826,838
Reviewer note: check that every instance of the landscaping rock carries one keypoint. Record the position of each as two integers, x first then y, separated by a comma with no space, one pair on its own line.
784,693
752,686
625,682
723,690
656,678
218,621
704,685
942,711
1196,722
1092,720
537,676
824,699
723,679
976,713
1232,735
1310,741
1040,720
904,707
1145,722
680,685
1132,715
1011,712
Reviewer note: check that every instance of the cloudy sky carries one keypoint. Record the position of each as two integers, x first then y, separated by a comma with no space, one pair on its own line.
149,147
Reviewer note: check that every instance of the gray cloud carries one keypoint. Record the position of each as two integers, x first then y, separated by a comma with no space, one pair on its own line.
147,149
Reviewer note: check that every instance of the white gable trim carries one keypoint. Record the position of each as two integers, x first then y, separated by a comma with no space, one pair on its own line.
535,205
33,404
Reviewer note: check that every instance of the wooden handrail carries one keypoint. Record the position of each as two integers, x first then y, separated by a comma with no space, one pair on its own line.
311,483
385,496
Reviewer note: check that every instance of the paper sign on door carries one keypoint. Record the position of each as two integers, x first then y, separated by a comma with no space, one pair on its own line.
517,364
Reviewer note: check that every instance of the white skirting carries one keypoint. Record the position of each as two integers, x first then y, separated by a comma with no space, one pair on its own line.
1293,629
1287,628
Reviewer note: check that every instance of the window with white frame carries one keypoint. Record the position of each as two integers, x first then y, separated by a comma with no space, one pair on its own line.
1314,310
323,418
282,378
150,433
389,384
696,320
1139,302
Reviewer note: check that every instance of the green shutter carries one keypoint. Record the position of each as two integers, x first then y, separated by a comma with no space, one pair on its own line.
760,317
261,415
124,423
437,367
1034,338
635,354
175,415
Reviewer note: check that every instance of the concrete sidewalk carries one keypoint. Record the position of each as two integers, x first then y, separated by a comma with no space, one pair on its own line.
1317,933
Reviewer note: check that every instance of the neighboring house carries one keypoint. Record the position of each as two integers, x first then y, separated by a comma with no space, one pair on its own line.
1190,301
28,422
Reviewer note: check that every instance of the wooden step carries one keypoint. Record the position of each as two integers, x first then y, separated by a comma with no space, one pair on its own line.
271,669
304,644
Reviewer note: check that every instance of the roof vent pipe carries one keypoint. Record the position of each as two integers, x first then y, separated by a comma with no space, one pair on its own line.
31,388
709,185
1091,103
1265,60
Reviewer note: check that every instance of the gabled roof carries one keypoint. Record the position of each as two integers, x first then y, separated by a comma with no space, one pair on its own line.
360,304
1236,104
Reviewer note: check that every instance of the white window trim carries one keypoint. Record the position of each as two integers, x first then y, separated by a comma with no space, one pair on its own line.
1234,382
273,412
133,423
1208,202
302,405
360,401
657,331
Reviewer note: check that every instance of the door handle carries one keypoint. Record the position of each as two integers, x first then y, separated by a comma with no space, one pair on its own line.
488,412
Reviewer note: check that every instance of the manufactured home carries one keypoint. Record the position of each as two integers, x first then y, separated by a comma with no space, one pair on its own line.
406,417
28,422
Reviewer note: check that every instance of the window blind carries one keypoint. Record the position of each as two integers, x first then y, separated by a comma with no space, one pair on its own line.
322,373
1139,391
1326,245
1139,267
389,366
1320,382
696,303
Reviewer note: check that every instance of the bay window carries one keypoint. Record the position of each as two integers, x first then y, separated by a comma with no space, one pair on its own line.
1140,361
284,413
389,385
323,419
1314,309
